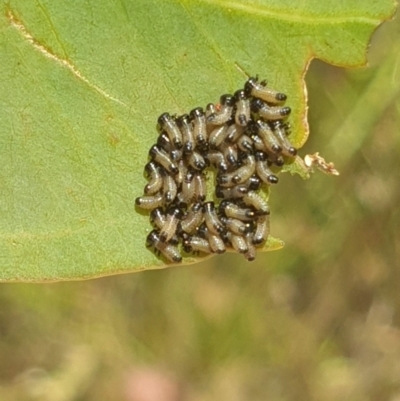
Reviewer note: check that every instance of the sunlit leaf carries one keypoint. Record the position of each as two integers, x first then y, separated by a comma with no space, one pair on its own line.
82,84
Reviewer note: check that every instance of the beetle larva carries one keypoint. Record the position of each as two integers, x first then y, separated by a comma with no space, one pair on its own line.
242,114
155,179
261,91
225,113
199,128
150,202
262,229
170,226
168,124
252,198
162,158
193,218
269,112
196,244
186,128
211,219
280,133
169,251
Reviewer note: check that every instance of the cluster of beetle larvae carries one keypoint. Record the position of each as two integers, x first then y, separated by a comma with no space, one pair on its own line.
245,138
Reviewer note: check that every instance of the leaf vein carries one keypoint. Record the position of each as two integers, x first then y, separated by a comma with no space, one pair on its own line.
17,24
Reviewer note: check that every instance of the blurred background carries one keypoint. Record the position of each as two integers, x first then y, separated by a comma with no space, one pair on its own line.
318,320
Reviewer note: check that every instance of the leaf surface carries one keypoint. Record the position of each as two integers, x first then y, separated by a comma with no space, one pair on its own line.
82,84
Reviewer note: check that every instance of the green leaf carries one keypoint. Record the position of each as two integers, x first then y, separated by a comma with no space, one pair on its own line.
82,84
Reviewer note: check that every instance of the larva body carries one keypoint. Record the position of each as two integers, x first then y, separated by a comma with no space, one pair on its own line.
169,251
167,124
261,91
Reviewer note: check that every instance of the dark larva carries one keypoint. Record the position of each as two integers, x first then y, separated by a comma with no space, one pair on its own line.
165,144
225,113
240,175
269,112
193,218
253,183
238,243
200,187
157,218
196,160
169,251
212,221
280,133
169,189
188,188
155,179
234,133
262,230
261,91
242,113
162,158
254,199
150,202
172,219
218,136
217,160
167,124
271,143
263,171
180,176
199,128
210,109
235,192
245,144
235,226
186,128
230,155
277,160
250,255
230,209
216,243
196,244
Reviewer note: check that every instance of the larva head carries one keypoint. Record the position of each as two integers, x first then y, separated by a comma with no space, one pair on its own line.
187,245
227,100
152,238
175,212
254,183
260,156
250,85
183,120
150,168
156,215
222,179
273,179
257,105
280,97
285,111
197,113
279,161
240,95
163,119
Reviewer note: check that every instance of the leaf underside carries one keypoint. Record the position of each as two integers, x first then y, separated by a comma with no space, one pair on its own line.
82,86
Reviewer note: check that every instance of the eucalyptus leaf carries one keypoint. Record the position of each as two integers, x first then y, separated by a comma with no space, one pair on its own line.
82,84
